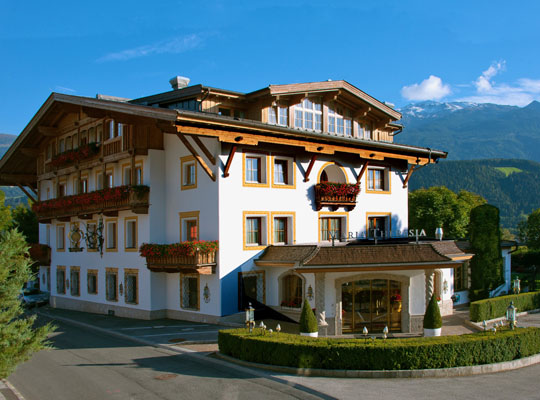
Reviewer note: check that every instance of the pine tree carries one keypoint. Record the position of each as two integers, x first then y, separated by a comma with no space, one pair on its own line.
18,337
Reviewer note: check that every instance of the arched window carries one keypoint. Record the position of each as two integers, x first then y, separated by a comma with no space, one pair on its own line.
291,291
332,173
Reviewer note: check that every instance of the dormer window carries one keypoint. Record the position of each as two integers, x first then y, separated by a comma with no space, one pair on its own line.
308,115
278,115
339,121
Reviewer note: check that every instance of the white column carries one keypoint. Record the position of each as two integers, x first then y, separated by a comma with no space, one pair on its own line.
320,292
430,286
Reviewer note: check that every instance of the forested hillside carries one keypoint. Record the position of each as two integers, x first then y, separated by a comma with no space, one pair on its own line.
511,185
5,141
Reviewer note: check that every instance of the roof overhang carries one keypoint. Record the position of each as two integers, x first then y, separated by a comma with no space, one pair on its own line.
377,267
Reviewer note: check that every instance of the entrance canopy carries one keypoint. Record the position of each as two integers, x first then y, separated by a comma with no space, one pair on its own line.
364,257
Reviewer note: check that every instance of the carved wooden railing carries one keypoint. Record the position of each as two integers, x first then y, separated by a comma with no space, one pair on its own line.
134,198
112,146
336,195
186,257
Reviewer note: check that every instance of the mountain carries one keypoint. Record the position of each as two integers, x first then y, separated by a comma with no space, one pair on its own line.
5,141
511,185
470,131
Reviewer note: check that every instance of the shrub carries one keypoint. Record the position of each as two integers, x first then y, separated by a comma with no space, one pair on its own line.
432,318
496,307
308,321
391,354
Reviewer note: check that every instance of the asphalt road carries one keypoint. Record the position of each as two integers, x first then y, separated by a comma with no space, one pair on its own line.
89,365
86,365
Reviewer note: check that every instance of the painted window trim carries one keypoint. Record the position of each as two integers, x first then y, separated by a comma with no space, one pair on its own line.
184,162
388,181
291,171
135,248
106,225
264,157
138,164
329,214
93,272
60,268
78,270
113,271
63,248
263,215
188,215
291,216
384,214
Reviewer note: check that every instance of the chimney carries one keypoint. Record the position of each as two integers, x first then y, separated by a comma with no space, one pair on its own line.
179,82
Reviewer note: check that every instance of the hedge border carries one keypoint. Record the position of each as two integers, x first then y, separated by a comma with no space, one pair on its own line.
496,307
392,354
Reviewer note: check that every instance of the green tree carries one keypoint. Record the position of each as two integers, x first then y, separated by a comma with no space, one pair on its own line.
26,222
18,337
440,207
308,321
432,317
532,230
487,263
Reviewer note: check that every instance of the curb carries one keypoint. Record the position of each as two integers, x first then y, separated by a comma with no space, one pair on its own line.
417,373
4,384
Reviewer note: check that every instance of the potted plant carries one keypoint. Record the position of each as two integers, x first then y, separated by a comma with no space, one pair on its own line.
308,321
432,319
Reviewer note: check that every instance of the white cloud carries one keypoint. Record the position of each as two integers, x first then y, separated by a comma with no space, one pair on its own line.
489,91
64,89
172,46
431,88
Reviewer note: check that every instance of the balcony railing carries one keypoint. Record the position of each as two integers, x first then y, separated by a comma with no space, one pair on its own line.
134,198
83,153
335,195
186,257
40,254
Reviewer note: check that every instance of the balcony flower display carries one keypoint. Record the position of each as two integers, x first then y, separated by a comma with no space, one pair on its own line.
191,257
338,189
75,155
178,249
104,198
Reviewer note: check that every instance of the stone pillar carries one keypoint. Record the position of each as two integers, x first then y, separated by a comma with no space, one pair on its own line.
319,303
430,285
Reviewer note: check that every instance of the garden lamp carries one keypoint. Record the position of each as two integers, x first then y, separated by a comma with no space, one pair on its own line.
250,317
385,331
278,328
484,324
511,315
365,332
516,285
439,233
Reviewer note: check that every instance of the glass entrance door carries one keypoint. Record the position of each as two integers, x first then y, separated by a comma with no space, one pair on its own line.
374,304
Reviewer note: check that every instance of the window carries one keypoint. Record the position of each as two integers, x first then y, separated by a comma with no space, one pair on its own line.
61,190
138,175
251,286
228,112
255,170
48,235
74,281
111,235
126,175
189,173
378,225
280,230
189,226
110,130
130,234
278,115
283,172
49,151
191,230
308,115
99,180
460,277
131,286
111,284
256,229
84,137
330,228
92,281
291,291
377,180
61,146
69,143
189,291
109,179
364,130
60,237
61,280
92,135
84,184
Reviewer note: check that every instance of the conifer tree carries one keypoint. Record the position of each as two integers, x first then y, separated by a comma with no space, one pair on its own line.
18,337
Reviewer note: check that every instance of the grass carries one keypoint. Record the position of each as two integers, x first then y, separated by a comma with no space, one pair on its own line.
508,170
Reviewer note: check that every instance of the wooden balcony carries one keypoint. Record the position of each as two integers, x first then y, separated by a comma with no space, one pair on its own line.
106,201
335,195
197,257
200,263
40,254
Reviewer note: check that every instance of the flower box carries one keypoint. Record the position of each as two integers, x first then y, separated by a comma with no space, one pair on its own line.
79,154
188,257
335,195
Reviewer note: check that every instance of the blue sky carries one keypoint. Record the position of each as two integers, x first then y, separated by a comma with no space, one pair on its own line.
397,51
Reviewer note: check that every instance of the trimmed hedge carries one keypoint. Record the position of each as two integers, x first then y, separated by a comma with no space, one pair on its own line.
308,321
496,307
432,317
393,354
